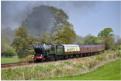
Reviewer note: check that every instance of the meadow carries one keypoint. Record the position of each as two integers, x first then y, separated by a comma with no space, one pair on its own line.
95,66
9,59
110,71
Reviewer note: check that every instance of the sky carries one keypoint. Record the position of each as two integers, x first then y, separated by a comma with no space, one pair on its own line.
87,17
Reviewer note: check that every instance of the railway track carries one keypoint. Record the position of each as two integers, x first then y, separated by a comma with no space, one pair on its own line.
14,64
29,63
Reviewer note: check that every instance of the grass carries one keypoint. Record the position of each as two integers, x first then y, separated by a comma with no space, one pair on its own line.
70,68
9,59
110,71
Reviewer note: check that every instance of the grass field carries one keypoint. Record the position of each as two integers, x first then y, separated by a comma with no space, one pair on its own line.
9,59
110,71
70,68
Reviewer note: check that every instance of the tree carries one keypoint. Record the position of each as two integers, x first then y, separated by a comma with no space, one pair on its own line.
60,16
10,51
45,38
64,35
22,42
6,49
108,38
118,42
89,39
79,40
63,31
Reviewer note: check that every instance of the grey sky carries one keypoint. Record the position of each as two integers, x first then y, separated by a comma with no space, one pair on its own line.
86,17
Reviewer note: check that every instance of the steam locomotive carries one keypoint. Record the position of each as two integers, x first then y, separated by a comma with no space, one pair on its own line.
64,51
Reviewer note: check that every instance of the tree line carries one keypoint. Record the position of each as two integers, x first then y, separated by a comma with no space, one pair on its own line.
22,44
63,33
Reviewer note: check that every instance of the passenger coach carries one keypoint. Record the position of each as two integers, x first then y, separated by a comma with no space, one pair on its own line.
64,51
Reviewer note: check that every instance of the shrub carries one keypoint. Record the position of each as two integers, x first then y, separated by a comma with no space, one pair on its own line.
9,52
25,52
28,58
99,58
118,52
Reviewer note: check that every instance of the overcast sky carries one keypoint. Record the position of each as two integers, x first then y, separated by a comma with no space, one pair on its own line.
86,17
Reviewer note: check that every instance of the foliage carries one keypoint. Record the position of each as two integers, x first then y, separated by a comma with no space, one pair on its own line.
108,38
8,50
106,32
22,42
46,38
60,16
64,35
89,39
79,40
4,44
28,58
118,44
118,41
63,31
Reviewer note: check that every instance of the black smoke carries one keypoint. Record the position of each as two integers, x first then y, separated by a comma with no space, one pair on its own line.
41,20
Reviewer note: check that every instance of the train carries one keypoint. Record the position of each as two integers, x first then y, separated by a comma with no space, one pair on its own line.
64,51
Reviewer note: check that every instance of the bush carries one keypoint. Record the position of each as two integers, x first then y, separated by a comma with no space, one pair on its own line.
25,52
99,58
27,58
9,52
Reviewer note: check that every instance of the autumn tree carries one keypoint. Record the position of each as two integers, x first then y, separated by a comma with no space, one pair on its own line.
108,38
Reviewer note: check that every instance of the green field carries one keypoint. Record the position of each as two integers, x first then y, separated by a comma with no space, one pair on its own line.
110,71
9,59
